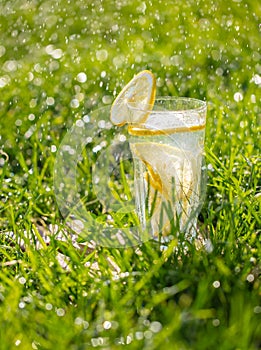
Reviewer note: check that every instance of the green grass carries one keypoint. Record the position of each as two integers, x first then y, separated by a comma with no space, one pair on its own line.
186,297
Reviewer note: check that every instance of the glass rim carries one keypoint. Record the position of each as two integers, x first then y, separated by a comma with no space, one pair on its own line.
202,105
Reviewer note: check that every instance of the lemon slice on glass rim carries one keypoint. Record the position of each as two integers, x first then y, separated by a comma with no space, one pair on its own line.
135,101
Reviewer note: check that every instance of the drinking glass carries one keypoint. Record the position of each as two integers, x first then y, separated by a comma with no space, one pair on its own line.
169,176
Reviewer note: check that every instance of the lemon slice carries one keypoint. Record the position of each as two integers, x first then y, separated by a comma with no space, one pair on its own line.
166,165
139,93
172,173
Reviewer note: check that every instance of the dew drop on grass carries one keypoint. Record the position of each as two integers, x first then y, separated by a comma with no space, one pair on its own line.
102,124
2,50
48,306
107,325
107,99
10,66
18,122
253,98
56,53
78,321
102,55
53,148
238,96
60,312
96,149
148,334
216,284
256,79
97,342
35,345
155,326
50,101
81,77
75,103
250,278
22,280
208,246
4,80
139,335
86,119
79,123
257,309
216,322
31,117
21,305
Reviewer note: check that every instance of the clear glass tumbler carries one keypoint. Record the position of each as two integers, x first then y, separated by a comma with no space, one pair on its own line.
167,150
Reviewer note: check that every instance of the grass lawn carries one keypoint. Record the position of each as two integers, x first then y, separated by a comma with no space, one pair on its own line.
60,60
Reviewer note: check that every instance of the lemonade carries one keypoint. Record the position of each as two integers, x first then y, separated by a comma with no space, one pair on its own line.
168,166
